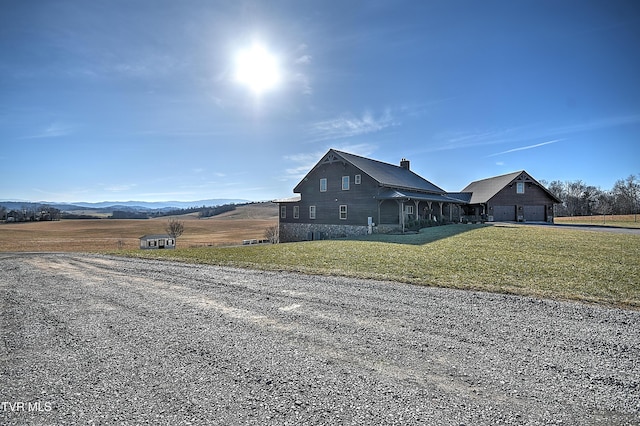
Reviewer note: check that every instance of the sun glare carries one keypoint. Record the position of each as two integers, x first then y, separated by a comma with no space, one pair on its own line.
258,69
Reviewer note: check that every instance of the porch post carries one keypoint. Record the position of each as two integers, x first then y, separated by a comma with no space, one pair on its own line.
402,215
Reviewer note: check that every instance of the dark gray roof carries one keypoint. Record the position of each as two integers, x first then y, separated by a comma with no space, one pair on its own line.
389,175
154,237
465,197
483,190
398,194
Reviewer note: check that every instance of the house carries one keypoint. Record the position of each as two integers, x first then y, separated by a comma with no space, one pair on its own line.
161,241
347,195
512,197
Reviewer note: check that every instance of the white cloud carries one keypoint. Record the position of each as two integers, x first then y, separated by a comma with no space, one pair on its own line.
348,126
605,122
303,81
304,59
302,163
119,188
54,130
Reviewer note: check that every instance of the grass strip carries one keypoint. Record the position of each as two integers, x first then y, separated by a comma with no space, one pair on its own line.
534,261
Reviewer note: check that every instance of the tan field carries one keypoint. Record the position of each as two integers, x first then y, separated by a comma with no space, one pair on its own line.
246,222
627,221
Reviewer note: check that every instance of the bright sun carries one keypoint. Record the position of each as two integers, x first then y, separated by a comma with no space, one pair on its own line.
258,69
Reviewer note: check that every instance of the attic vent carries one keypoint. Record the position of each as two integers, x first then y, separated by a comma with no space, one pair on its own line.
404,163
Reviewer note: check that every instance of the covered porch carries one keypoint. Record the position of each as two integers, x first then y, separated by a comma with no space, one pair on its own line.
408,209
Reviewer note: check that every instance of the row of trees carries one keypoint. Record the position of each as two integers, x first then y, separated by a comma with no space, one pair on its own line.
580,199
204,211
30,214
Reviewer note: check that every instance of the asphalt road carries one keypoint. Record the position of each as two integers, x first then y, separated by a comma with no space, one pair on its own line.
99,340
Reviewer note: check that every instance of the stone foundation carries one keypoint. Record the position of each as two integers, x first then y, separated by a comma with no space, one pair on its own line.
290,232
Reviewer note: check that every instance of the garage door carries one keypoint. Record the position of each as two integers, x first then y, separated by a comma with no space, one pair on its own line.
504,213
534,213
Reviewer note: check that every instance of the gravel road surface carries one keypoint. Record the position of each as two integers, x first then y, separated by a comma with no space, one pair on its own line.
101,340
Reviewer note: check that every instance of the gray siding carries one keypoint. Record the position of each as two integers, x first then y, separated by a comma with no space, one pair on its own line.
539,205
360,199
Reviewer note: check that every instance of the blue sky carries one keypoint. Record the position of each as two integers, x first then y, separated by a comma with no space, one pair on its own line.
142,100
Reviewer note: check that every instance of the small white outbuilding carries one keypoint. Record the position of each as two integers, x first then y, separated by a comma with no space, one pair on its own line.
160,241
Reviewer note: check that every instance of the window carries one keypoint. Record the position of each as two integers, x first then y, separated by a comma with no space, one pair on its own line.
343,212
357,179
409,209
283,212
312,212
323,185
345,183
296,212
520,188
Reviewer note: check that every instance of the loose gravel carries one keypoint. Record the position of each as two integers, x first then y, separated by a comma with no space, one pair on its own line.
90,339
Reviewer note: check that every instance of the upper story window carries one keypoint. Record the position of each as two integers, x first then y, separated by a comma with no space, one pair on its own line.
345,183
520,188
312,212
323,185
357,179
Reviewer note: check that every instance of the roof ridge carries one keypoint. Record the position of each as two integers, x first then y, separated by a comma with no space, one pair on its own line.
500,176
368,159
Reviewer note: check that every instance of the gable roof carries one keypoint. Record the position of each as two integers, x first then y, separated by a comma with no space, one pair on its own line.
387,175
154,237
483,190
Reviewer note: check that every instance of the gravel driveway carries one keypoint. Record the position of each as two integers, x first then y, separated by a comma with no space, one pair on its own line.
99,340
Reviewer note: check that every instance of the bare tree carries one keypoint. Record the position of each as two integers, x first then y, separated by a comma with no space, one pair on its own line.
175,228
627,195
271,233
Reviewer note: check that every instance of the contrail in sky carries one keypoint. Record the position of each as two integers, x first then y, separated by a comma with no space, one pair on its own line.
526,147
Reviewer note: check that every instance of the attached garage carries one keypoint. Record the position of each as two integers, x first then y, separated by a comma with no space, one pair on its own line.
511,197
504,213
533,213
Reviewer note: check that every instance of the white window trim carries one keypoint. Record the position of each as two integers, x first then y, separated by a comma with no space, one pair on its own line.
348,183
409,209
519,187
357,179
323,188
296,212
283,212
312,212
341,211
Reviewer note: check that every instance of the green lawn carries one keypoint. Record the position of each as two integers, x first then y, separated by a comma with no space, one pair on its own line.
552,263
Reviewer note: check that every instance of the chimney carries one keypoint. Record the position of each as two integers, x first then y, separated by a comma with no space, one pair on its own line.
404,163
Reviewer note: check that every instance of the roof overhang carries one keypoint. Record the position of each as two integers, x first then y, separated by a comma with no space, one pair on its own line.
295,199
400,195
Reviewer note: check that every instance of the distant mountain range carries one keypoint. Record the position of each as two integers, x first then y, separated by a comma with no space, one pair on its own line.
142,206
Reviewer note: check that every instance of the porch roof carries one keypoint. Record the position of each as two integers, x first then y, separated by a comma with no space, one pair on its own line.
154,237
397,194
